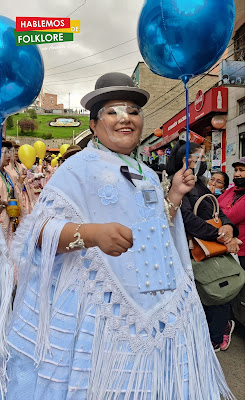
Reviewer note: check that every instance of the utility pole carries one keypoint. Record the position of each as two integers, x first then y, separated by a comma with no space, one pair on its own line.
17,130
69,103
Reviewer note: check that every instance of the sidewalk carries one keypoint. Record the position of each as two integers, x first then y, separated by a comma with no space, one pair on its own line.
233,362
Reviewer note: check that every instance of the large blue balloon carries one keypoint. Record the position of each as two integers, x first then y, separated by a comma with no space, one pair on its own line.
21,71
184,37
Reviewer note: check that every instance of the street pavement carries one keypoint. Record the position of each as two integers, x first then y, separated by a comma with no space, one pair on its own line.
233,362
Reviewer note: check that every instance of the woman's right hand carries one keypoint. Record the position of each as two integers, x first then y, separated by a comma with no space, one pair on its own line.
234,245
113,238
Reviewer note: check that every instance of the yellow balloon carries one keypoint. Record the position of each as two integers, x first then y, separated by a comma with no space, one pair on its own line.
59,155
27,155
54,162
53,155
40,161
63,148
40,149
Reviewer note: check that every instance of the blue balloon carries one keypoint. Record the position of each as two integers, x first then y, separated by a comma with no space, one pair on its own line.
184,37
21,71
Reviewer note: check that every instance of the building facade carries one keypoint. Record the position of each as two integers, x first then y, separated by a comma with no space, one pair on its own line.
220,122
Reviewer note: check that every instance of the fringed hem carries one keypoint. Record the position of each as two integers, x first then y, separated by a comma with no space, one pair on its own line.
6,289
185,367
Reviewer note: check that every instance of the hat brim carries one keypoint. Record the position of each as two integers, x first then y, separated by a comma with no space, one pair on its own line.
69,153
7,143
235,164
138,96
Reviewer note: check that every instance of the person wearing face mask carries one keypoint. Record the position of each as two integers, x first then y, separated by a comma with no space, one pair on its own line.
218,183
232,203
218,317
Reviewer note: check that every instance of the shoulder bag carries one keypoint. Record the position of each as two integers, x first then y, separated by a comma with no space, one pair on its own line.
218,276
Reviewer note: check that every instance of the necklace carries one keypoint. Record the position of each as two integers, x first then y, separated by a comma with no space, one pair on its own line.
139,169
7,184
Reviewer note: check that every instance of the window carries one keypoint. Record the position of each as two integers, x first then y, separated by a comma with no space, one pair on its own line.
239,44
51,101
241,132
241,104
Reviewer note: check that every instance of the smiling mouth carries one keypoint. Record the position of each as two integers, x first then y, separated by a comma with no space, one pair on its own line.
125,131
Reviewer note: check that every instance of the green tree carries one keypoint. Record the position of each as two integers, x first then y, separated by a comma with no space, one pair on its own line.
10,122
32,113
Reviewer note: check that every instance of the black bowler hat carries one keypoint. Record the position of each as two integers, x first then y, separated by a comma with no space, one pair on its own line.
115,86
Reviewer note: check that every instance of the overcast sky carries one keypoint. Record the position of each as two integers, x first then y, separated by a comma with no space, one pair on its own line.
104,24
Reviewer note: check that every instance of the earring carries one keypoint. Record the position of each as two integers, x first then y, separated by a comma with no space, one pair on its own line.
95,141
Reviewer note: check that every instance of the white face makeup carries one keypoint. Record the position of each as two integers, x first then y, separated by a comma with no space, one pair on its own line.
119,126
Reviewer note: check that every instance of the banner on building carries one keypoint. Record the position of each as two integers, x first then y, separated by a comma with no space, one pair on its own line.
193,137
232,73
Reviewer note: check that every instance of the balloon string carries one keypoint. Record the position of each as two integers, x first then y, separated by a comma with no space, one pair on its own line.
1,134
187,120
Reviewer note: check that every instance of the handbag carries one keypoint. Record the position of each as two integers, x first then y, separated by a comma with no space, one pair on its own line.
203,249
218,276
218,279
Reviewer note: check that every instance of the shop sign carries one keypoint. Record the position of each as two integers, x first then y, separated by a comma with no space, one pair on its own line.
146,151
199,100
216,100
158,132
219,121
168,152
193,137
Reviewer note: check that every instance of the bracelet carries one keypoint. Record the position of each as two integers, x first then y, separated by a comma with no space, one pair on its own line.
78,242
172,204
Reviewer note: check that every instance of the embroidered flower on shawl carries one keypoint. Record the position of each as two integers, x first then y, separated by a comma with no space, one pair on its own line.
89,156
108,195
146,210
151,178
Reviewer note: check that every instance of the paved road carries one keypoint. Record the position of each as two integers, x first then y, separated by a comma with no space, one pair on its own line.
233,362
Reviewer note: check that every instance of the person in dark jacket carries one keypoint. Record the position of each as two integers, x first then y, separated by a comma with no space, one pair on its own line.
218,317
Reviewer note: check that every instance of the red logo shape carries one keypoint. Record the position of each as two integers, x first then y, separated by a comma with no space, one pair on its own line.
199,101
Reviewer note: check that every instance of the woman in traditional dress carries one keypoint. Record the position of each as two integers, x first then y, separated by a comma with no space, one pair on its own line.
106,306
18,175
8,191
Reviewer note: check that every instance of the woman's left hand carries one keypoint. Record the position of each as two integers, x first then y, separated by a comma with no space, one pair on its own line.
183,181
225,234
234,245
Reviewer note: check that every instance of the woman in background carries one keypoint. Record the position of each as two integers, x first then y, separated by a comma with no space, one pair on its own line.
218,183
196,226
232,203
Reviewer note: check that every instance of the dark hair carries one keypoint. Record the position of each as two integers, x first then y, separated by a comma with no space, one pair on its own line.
175,161
225,176
94,111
